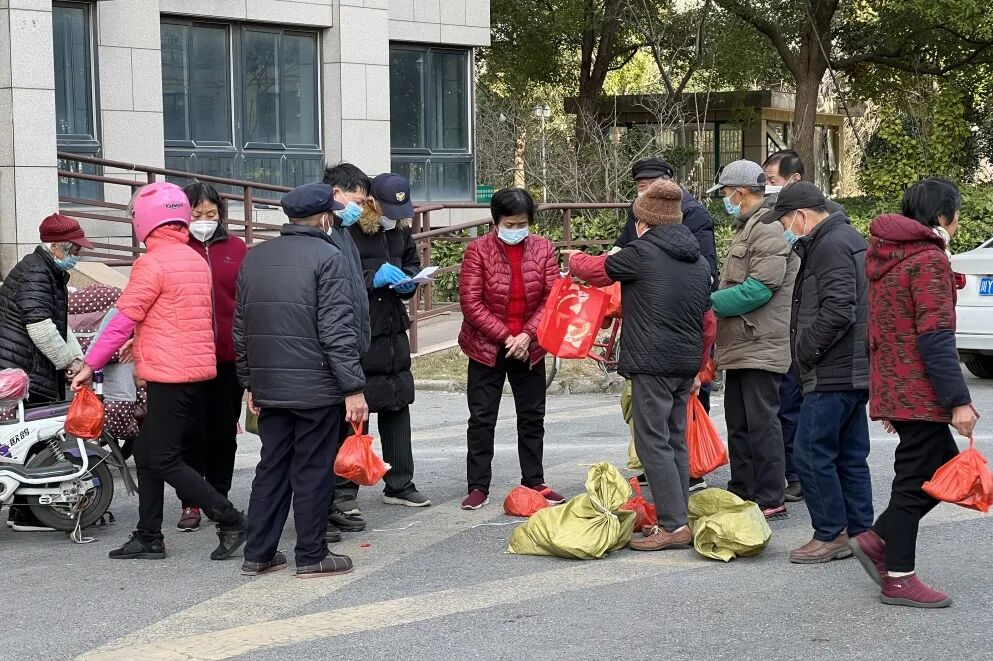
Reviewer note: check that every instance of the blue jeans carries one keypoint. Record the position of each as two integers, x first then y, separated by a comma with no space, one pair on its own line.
832,445
790,401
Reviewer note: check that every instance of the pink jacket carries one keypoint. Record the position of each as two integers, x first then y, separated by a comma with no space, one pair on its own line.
168,297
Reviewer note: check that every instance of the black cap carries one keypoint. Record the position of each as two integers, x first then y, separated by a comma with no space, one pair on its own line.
393,194
309,200
651,168
801,195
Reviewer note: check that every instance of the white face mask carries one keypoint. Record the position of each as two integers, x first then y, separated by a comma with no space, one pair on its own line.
202,230
387,223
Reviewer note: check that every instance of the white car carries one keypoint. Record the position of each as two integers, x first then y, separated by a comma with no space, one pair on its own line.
974,332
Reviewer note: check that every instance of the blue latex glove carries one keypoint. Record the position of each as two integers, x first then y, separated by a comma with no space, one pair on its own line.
406,288
387,275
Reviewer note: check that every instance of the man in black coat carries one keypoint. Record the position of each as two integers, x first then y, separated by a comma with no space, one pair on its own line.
299,349
827,337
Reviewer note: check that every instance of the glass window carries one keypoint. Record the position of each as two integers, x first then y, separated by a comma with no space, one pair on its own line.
174,82
299,89
210,91
430,122
261,110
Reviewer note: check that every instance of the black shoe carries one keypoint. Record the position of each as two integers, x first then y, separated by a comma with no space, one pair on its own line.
345,522
697,484
332,535
276,563
794,492
329,566
139,548
230,539
643,480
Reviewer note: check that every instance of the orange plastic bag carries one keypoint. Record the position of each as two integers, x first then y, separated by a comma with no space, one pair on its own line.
707,451
614,302
709,372
522,501
965,481
85,416
645,511
357,462
573,316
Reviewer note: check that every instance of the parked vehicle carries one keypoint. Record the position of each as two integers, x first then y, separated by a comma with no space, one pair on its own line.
974,333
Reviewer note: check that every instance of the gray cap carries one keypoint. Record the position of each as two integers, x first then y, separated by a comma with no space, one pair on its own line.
739,173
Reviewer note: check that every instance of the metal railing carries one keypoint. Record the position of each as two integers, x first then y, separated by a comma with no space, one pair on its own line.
253,229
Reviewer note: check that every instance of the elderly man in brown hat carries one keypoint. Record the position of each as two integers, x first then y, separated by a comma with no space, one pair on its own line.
668,332
34,322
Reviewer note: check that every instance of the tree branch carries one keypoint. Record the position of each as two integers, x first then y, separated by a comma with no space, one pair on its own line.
749,15
901,64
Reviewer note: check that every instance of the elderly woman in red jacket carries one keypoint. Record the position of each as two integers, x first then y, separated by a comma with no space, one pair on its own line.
507,275
916,386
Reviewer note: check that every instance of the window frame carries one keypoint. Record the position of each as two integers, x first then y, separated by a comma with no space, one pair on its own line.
426,156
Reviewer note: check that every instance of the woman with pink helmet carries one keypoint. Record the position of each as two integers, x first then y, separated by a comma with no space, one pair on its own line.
167,305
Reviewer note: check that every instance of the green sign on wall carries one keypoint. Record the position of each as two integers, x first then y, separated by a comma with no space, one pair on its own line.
484,194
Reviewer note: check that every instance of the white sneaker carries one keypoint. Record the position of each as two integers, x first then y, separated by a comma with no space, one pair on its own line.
27,527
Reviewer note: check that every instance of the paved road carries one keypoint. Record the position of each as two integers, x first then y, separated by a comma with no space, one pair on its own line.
436,583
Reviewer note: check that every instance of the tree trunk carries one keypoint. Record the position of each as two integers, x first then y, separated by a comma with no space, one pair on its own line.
520,147
804,120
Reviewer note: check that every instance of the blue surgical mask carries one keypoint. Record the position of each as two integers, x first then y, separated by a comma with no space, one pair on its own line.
387,223
791,237
350,214
731,207
67,263
512,237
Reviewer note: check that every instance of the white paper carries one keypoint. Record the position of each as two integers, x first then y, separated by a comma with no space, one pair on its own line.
426,275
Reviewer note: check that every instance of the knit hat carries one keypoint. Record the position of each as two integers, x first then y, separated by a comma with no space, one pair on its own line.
661,204
58,228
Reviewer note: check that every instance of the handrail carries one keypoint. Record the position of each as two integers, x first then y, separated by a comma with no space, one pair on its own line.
421,306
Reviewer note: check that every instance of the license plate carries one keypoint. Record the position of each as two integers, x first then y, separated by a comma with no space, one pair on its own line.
986,287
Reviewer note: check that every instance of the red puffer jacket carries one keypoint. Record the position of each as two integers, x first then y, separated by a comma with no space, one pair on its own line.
484,293
224,253
914,368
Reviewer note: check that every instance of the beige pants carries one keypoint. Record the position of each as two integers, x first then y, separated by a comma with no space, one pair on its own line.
633,462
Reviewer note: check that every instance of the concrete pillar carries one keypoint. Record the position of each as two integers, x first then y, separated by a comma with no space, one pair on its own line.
28,180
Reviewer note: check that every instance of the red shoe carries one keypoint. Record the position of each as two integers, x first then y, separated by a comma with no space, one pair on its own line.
870,549
910,591
551,497
190,520
775,513
475,500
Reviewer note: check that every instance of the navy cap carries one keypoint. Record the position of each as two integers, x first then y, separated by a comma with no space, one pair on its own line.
801,195
309,200
651,168
393,194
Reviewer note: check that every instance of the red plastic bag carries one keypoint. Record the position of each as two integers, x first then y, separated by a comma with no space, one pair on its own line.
965,481
707,451
357,462
709,372
523,501
572,319
645,511
85,416
614,302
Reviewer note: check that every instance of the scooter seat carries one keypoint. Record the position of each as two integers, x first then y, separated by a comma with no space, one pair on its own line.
57,469
45,411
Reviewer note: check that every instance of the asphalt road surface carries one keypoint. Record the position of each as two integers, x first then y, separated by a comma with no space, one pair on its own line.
436,583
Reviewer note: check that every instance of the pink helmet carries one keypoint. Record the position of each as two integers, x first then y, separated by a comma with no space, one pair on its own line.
157,204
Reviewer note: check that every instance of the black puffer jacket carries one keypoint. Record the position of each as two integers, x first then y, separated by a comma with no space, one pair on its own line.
389,383
665,292
34,290
830,312
296,331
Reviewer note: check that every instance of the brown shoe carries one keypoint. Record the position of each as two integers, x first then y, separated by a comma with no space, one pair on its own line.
658,539
332,565
815,551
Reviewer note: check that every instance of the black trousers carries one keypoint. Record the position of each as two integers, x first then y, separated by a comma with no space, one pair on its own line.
755,438
790,403
214,453
175,419
394,434
923,448
485,390
299,447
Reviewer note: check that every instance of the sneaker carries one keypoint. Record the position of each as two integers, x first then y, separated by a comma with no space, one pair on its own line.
345,523
349,506
277,562
643,480
475,500
697,484
816,552
230,540
332,534
657,539
794,492
870,550
412,498
20,519
910,591
775,513
190,521
551,497
330,566
138,548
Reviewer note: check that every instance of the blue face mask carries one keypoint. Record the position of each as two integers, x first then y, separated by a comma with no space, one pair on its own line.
731,207
67,263
791,237
350,214
512,237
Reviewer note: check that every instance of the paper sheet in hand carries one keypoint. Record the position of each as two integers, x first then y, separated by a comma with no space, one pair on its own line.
426,275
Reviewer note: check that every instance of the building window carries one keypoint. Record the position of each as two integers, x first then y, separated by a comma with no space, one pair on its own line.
241,101
430,121
75,103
